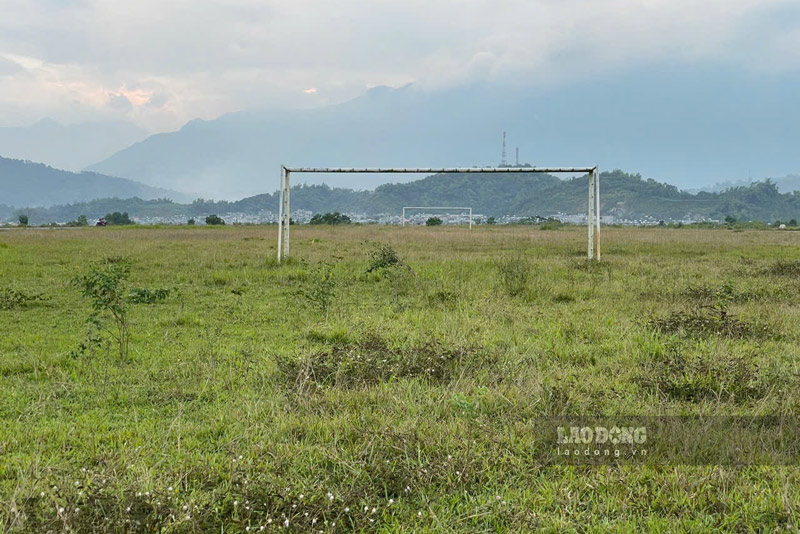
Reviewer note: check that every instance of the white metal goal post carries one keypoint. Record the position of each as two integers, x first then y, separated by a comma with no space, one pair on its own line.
448,208
593,210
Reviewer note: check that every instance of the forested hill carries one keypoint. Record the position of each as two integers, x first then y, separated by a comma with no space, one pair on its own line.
623,195
24,183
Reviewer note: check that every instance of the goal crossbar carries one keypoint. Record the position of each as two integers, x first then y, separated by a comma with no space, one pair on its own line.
593,211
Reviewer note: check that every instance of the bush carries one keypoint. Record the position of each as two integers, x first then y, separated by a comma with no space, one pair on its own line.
383,257
215,220
433,221
330,218
551,224
320,288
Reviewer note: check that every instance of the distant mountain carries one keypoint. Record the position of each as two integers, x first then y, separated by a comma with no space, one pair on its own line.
623,195
787,184
23,183
687,126
71,147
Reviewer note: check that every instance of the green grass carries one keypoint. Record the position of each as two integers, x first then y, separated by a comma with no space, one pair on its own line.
245,400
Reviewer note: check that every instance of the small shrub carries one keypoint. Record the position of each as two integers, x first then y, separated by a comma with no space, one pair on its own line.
433,221
319,289
383,257
142,295
12,298
105,286
215,220
514,274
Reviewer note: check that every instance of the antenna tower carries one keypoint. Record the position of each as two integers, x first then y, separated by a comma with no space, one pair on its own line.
503,158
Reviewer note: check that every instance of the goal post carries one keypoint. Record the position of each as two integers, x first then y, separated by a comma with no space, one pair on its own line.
592,212
449,208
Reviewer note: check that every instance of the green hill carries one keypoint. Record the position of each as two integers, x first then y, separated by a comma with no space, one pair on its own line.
623,195
24,183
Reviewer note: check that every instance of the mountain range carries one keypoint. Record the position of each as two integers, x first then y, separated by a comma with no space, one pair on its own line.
70,147
680,124
24,183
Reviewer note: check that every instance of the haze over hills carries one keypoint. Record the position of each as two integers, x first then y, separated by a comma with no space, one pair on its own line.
680,125
70,147
23,183
786,184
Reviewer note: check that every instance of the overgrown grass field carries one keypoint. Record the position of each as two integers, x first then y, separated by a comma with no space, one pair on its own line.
384,379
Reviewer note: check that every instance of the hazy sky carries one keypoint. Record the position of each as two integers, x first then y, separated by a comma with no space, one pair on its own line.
160,63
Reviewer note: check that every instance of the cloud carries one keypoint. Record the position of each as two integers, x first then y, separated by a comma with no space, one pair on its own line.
173,61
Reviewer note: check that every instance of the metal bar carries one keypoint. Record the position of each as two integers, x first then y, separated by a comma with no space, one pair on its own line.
597,214
436,208
280,217
287,213
433,170
590,216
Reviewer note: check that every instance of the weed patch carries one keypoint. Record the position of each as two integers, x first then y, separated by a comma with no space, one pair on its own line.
372,361
710,320
783,268
12,298
514,275
696,377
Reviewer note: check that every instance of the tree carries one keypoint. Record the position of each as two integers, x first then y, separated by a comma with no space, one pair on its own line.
793,222
330,218
730,219
118,219
215,220
23,220
491,220
80,221
433,221
190,222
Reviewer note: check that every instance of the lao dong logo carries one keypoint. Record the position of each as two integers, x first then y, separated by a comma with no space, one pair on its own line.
601,441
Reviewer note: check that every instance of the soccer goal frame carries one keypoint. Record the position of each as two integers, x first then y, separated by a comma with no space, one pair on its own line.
592,212
448,208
